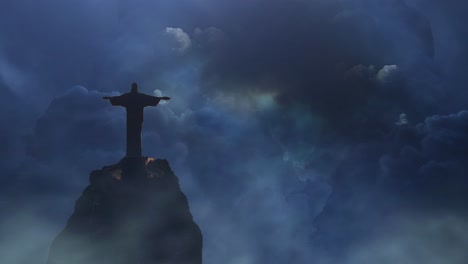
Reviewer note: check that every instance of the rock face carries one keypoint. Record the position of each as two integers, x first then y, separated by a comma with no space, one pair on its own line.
132,212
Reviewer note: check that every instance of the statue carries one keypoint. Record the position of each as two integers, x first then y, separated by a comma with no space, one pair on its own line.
134,102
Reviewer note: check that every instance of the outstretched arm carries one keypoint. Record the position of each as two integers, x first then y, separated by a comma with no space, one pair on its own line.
154,100
115,100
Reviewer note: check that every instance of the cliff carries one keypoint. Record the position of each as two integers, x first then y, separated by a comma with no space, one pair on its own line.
132,212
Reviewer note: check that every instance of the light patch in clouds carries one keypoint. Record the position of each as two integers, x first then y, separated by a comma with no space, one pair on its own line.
181,40
265,100
247,102
387,73
12,77
403,120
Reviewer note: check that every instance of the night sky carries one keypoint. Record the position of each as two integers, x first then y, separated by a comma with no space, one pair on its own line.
302,131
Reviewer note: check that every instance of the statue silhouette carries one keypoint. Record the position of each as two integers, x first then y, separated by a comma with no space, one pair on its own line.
134,102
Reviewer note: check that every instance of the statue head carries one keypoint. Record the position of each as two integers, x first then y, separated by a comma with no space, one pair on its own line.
134,87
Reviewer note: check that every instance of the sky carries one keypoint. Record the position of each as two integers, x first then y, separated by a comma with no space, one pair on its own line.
302,131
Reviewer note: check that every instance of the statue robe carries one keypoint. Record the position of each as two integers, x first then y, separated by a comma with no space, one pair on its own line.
134,103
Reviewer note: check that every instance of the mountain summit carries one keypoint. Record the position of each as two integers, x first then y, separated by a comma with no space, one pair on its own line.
132,212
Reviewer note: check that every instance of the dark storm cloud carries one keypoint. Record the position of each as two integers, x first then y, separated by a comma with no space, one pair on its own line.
303,50
282,127
418,174
431,163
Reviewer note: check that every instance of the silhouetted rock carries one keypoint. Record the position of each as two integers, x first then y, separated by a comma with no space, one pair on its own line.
132,212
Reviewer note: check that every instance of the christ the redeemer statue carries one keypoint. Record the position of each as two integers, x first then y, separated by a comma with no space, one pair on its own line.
134,102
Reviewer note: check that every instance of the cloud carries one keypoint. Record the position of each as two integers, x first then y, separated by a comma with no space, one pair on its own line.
210,37
381,189
181,40
330,68
403,120
361,71
387,73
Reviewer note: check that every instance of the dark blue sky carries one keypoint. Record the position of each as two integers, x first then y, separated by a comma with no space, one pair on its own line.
302,131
